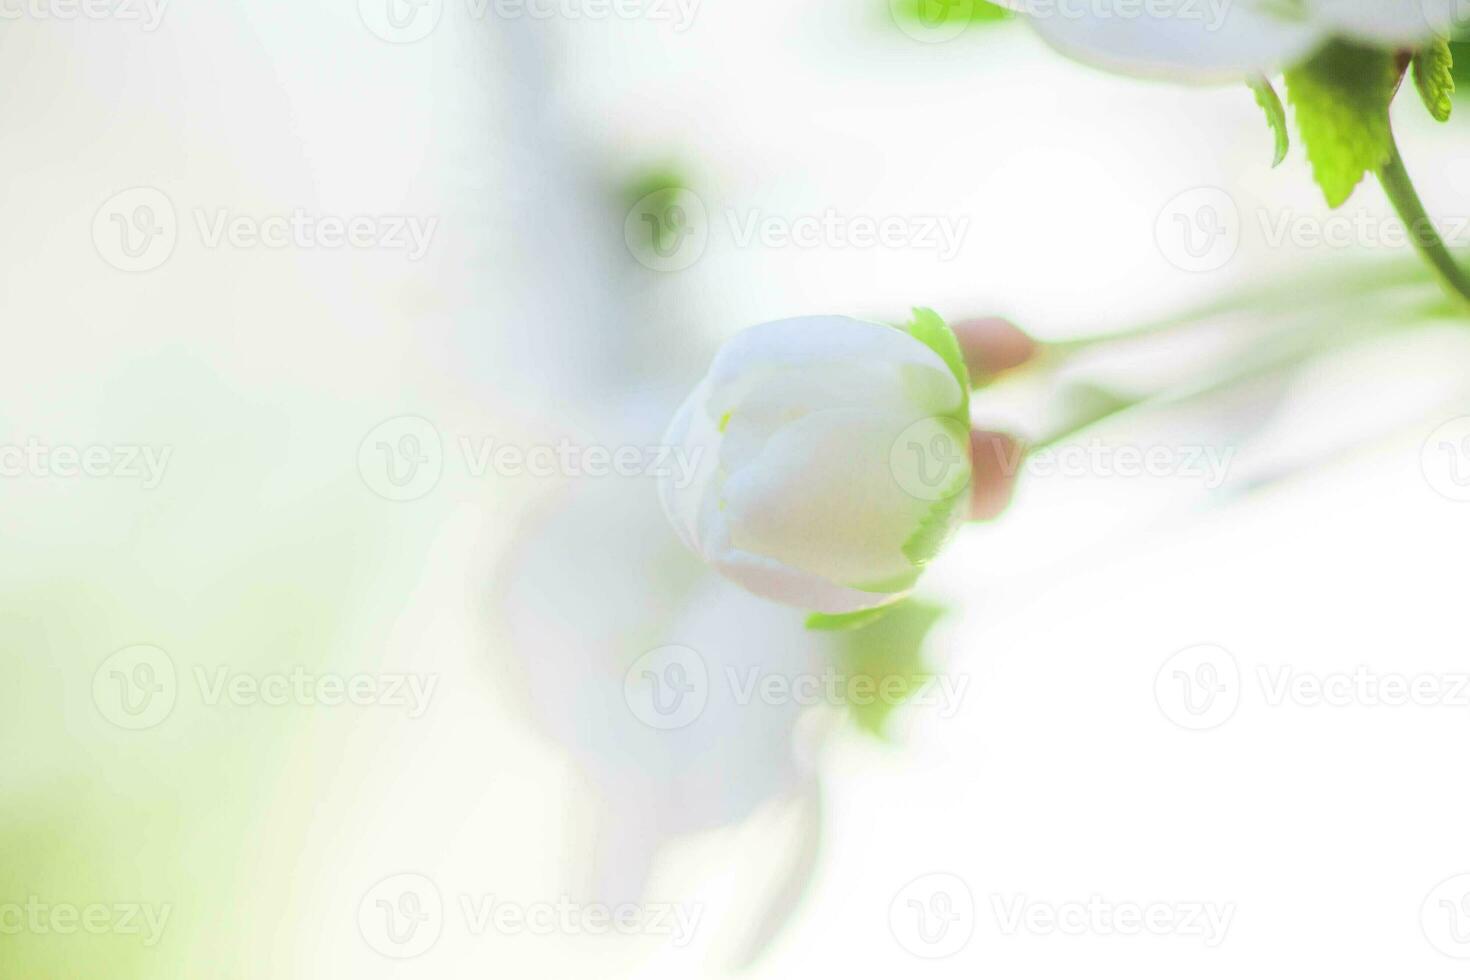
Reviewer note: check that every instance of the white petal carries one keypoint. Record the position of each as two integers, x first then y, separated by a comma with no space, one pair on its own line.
822,497
1385,22
771,579
1201,41
695,437
827,349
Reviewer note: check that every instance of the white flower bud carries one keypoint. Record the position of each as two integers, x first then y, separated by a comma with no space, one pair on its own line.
831,459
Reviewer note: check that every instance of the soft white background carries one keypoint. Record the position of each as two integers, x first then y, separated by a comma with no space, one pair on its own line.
1061,778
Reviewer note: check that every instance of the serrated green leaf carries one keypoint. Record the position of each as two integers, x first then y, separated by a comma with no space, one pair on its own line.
1341,98
891,653
1268,100
835,622
1434,77
929,329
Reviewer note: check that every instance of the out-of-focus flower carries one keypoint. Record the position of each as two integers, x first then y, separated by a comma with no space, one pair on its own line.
993,345
831,459
1209,41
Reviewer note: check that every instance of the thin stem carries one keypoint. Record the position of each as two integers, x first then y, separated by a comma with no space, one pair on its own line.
1400,190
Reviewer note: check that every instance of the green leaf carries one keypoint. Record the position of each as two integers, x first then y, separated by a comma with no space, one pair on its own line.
1434,77
835,622
891,653
929,329
1268,100
1341,98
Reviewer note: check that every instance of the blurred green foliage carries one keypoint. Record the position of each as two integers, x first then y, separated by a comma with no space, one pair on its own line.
890,651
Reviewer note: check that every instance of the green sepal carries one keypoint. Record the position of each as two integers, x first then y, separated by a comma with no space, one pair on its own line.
1434,77
1341,97
835,622
929,329
1269,101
